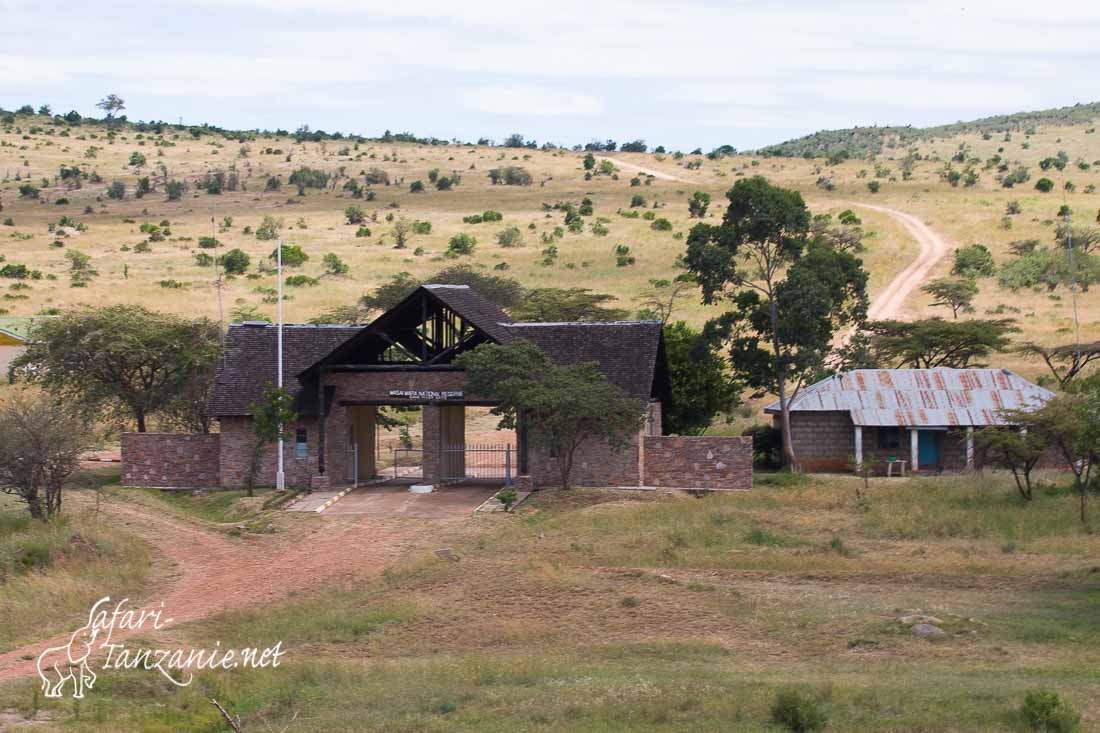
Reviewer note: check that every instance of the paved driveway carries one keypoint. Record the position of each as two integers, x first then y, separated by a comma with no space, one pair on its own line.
396,501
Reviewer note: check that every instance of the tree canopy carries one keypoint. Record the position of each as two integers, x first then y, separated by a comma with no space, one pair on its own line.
126,360
701,387
934,342
563,407
789,293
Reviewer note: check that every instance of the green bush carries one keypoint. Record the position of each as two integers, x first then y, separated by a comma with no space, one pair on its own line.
235,262
299,281
510,237
205,242
416,187
334,265
1046,712
363,231
354,214
661,225
293,255
1044,185
973,260
460,244
798,713
117,190
269,228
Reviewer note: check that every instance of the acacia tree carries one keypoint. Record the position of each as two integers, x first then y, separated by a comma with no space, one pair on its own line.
954,293
111,105
932,343
42,440
1065,362
1017,450
564,407
123,359
789,295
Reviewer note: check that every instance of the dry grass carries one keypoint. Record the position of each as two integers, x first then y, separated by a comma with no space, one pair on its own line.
963,215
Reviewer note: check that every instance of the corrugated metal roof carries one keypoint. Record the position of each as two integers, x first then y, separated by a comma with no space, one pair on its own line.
926,397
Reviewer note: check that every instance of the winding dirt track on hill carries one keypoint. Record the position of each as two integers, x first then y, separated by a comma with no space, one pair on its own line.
201,572
933,247
647,171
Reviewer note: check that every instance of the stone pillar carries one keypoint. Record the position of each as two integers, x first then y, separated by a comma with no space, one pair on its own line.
432,455
914,448
859,447
970,447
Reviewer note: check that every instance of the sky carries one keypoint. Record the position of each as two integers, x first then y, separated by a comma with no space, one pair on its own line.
678,73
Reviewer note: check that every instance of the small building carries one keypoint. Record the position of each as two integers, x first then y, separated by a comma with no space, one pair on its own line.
13,341
925,417
341,376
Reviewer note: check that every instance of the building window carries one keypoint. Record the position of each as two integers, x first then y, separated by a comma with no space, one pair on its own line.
889,438
301,443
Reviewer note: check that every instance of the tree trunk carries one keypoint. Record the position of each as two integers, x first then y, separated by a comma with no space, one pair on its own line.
140,415
781,378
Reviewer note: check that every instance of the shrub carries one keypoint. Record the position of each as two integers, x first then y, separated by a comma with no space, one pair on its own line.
208,242
117,190
306,177
416,187
797,712
623,258
298,281
1045,711
235,262
1044,185
137,160
460,244
973,260
637,200
661,225
697,204
269,228
363,231
873,186
510,237
354,214
293,255
510,176
334,265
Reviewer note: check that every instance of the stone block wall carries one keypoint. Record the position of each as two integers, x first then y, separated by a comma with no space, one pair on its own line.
823,441
236,454
594,464
170,460
698,462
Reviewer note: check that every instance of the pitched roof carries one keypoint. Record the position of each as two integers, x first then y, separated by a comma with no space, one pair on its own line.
17,327
482,313
248,364
625,350
921,397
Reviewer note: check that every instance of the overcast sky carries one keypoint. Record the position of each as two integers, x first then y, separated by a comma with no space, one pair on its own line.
682,73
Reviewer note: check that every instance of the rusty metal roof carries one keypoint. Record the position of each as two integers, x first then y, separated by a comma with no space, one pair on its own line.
925,397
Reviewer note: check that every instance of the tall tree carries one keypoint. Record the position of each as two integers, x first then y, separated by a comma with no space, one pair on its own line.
789,296
564,407
272,418
1065,362
701,387
931,343
124,359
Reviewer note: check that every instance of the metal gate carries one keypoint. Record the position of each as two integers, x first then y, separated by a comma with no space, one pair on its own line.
478,462
408,463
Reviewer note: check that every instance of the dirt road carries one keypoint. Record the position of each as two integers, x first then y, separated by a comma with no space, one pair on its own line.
201,571
933,247
647,171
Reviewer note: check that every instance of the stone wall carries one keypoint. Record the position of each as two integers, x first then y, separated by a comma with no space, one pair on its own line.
698,462
594,464
236,454
823,441
170,460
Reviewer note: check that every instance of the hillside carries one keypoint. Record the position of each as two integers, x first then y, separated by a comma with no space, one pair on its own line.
863,142
56,194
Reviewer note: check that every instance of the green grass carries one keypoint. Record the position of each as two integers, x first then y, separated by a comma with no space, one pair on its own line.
63,566
607,611
219,507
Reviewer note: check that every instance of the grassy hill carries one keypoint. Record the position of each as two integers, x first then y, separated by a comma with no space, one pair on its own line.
151,249
863,142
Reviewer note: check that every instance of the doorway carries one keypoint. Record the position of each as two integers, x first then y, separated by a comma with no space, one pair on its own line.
360,463
928,448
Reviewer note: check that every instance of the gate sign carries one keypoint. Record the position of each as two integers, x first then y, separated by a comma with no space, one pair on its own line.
427,394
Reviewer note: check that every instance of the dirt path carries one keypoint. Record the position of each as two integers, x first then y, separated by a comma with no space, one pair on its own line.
204,572
933,247
647,171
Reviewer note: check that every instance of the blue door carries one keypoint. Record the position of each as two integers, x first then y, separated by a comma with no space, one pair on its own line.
928,448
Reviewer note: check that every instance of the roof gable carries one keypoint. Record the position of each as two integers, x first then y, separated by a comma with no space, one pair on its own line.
930,397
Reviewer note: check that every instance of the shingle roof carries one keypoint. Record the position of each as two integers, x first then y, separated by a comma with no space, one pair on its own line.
921,397
249,361
625,350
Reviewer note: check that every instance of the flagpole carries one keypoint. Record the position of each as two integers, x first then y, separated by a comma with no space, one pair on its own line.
280,477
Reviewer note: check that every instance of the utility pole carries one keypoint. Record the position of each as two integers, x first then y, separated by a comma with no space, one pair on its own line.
280,477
